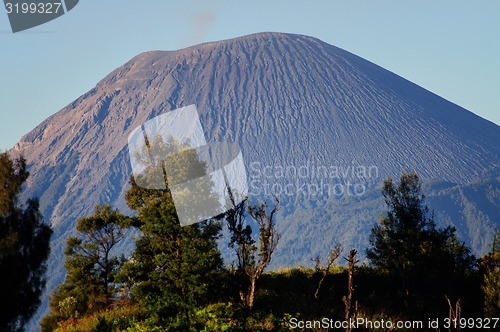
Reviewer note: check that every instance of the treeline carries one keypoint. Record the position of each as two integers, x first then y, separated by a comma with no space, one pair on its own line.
175,279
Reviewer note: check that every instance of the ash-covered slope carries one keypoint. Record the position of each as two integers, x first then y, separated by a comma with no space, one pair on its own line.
287,100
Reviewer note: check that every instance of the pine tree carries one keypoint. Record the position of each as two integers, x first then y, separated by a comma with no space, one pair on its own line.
173,268
90,283
24,247
425,262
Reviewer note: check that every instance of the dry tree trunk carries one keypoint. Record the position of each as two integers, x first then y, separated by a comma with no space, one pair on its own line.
349,314
334,254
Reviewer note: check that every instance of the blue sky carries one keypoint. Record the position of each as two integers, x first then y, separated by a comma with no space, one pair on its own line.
451,48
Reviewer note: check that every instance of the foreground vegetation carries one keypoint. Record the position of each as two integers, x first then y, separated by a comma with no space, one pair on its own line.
281,295
24,247
175,279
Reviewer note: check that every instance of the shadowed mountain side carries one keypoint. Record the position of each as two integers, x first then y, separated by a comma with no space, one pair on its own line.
473,208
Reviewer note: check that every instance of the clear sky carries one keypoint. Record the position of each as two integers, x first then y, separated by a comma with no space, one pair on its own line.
451,47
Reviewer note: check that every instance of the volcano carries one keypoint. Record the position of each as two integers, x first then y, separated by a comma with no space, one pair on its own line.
303,112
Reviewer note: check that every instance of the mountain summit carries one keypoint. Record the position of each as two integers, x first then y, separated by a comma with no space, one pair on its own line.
292,103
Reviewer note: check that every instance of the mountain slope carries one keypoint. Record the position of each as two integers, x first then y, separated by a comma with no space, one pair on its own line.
315,227
288,101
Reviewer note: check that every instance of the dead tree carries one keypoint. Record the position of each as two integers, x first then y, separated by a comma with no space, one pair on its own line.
243,244
351,311
252,260
334,254
268,240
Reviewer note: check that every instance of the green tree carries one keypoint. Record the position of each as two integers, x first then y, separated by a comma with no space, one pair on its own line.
90,282
426,262
491,285
24,247
173,269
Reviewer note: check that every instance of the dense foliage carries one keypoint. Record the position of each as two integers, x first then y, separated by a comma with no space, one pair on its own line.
427,263
24,247
491,286
174,280
173,269
90,283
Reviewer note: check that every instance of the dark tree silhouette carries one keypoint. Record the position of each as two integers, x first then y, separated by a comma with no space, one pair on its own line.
491,284
426,262
24,247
